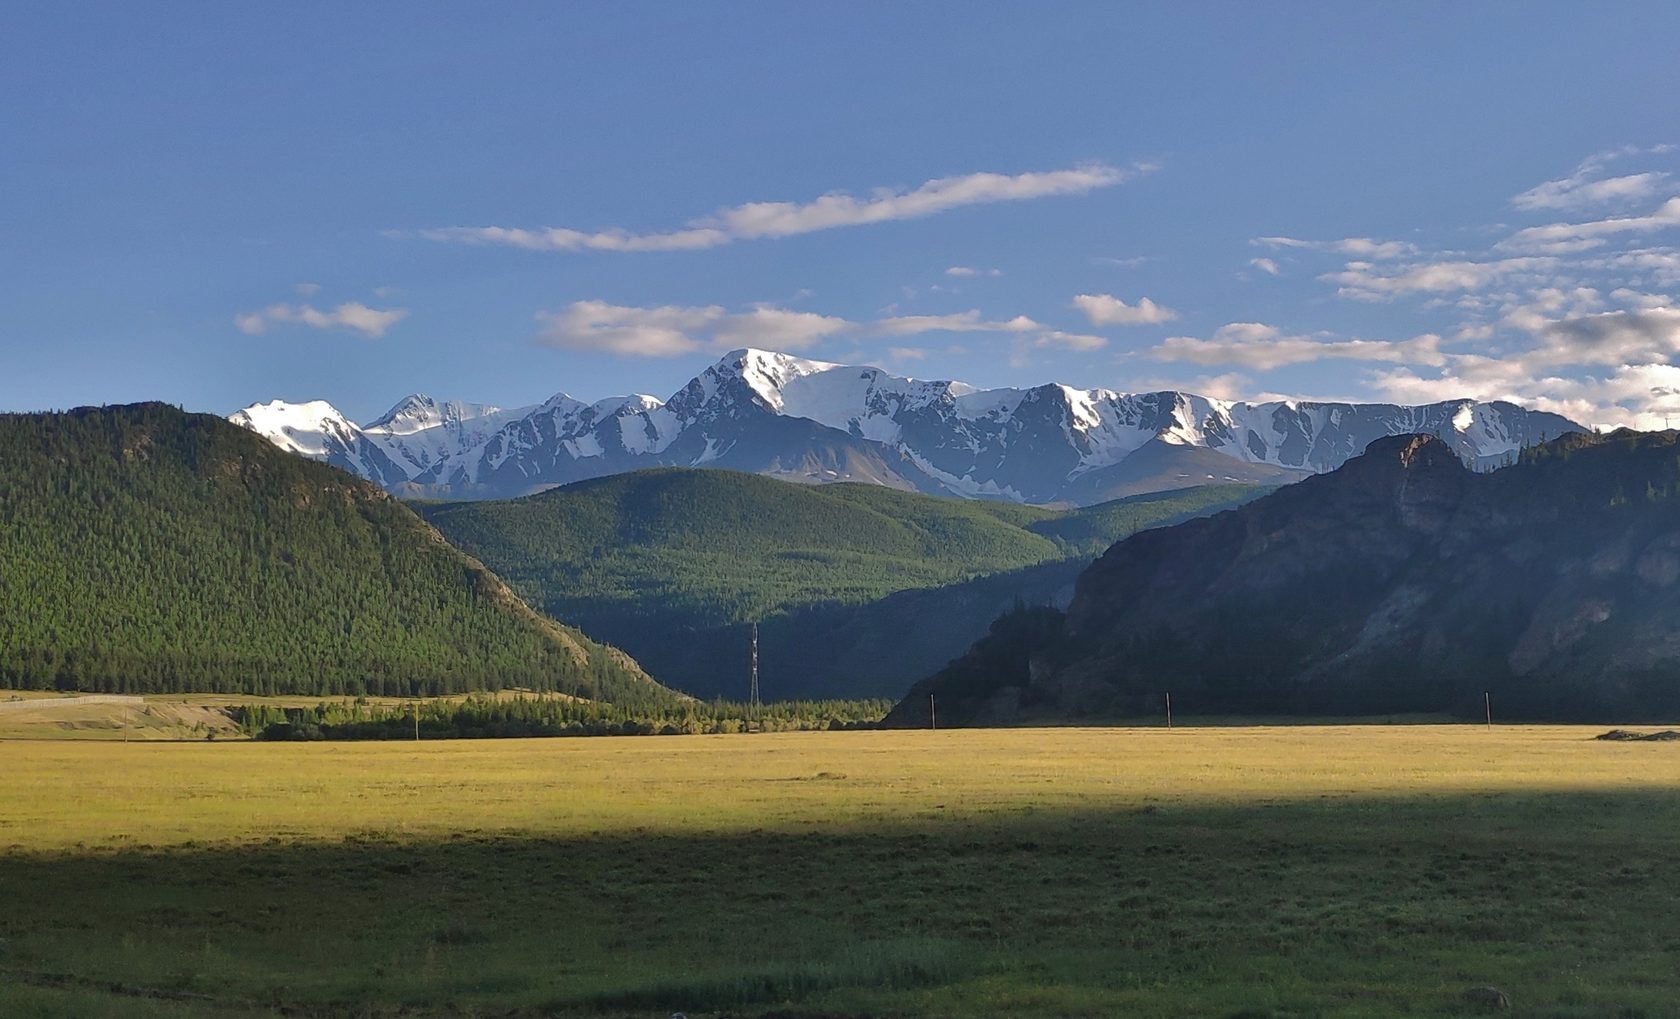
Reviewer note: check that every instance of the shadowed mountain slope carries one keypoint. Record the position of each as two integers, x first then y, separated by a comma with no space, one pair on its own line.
1400,582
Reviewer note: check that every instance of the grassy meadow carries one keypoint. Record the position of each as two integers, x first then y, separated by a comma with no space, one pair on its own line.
1218,871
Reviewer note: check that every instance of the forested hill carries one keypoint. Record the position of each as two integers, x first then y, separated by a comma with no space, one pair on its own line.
860,589
145,549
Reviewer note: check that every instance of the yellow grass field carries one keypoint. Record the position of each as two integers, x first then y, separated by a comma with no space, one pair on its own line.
1303,870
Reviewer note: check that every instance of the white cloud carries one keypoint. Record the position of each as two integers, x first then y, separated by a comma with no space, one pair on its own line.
961,322
968,270
1083,342
1660,265
673,330
1358,247
756,220
1108,310
1228,386
352,316
1266,266
1575,193
777,329
1596,366
1125,263
307,289
1260,347
636,332
1587,186
1645,396
1363,281
906,354
1565,238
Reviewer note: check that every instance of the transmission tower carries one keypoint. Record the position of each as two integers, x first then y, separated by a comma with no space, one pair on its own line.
752,696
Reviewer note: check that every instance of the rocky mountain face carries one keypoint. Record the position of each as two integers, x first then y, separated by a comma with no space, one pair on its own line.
1401,582
803,420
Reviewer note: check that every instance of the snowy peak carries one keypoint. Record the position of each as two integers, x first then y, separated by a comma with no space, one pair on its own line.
817,421
767,372
419,412
306,428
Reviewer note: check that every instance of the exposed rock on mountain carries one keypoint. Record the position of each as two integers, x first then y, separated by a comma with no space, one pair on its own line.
812,421
1402,582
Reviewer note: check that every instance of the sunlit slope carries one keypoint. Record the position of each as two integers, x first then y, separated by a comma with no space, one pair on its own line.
673,565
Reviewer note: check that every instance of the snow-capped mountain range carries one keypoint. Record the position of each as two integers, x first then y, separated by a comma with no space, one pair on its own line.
805,420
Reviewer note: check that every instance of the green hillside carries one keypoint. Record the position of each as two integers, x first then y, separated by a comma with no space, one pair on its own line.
674,564
143,549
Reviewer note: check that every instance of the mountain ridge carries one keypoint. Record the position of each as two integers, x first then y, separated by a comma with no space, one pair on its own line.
1401,582
1045,444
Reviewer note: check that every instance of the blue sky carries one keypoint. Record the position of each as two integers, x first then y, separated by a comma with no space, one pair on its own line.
215,204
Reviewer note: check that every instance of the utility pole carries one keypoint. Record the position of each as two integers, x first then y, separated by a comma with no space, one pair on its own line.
1169,709
752,696
1487,707
933,716
416,721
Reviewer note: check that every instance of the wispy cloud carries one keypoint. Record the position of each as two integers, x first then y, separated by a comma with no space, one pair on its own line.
672,330
1083,342
960,322
1260,347
1588,187
964,271
1266,266
1356,247
1108,310
1564,238
757,220
351,316
1364,281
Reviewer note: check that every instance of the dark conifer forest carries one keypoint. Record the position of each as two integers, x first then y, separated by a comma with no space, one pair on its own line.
859,590
143,549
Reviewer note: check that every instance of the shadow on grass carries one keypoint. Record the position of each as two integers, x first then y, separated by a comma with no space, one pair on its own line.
1323,907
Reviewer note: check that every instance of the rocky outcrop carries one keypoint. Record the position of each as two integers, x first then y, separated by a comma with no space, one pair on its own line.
1402,582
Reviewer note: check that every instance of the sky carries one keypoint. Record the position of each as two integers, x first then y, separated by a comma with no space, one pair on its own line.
218,204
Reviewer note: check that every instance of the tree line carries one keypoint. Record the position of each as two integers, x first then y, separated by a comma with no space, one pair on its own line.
485,717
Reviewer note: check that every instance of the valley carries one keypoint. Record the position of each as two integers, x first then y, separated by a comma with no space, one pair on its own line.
854,511
858,590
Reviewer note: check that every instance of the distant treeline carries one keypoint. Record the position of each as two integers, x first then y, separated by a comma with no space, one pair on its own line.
481,717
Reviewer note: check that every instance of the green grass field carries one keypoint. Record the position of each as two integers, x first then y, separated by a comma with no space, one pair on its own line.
1284,871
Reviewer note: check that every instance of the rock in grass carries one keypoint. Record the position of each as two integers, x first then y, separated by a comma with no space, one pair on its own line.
1488,999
